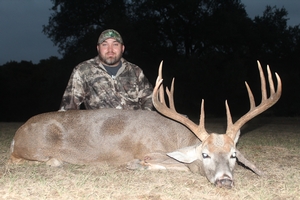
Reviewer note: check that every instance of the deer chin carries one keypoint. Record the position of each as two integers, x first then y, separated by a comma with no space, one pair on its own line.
221,176
219,180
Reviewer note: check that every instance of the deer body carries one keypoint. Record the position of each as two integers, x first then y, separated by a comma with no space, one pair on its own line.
97,136
141,139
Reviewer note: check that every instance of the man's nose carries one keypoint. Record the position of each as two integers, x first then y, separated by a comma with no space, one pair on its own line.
109,47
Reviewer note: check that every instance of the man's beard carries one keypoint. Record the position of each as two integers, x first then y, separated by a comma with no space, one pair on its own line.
111,60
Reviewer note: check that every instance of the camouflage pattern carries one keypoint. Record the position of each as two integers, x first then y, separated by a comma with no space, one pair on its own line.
92,85
110,33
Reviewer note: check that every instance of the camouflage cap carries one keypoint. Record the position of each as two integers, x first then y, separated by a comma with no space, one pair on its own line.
110,33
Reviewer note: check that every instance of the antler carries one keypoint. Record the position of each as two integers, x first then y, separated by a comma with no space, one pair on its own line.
160,105
233,129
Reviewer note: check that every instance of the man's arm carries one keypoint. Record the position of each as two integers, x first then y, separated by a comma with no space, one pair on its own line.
145,93
74,93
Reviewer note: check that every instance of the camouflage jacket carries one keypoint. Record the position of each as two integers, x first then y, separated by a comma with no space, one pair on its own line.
92,85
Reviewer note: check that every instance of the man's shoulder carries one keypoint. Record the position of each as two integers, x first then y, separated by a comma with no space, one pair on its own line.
131,66
87,65
127,63
92,61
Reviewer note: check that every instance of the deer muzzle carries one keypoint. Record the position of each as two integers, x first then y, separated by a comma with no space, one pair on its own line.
224,181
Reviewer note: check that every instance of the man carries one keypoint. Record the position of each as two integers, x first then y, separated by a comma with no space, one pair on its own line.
108,80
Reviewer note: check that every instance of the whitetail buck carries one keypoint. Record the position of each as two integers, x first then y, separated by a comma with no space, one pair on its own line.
140,139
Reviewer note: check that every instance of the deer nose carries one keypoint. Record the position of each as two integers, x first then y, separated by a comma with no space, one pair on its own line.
224,181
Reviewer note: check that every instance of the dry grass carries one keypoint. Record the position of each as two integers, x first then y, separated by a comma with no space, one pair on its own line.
272,143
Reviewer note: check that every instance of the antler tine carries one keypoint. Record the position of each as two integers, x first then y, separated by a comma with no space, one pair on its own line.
160,105
201,121
171,95
233,129
263,82
161,89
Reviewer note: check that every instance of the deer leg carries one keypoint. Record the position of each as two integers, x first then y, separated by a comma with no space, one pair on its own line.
15,160
157,161
53,162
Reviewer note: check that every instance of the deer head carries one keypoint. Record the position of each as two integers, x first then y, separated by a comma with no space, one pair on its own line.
216,155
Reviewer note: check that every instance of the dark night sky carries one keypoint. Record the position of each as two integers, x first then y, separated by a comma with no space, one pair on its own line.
21,21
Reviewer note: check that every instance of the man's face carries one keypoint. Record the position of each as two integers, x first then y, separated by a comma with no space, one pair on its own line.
110,52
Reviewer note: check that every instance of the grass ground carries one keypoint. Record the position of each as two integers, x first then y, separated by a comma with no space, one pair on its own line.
273,144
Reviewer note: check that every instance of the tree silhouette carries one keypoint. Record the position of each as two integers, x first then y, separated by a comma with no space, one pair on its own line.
75,25
210,46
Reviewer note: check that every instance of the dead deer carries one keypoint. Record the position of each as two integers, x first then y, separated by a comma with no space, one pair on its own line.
140,139
216,154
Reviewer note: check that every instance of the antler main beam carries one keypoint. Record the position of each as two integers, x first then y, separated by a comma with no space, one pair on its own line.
233,129
160,105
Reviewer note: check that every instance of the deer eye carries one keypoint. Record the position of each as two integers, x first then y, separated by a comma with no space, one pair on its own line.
204,155
233,155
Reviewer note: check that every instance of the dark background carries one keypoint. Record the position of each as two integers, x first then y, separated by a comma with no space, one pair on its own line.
210,47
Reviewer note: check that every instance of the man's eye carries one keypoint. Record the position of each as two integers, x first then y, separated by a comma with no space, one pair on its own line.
204,155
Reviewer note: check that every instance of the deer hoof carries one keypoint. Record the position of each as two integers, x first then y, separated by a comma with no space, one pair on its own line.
53,162
136,164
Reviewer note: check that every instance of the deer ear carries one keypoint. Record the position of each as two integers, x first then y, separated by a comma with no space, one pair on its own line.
247,163
185,155
237,136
